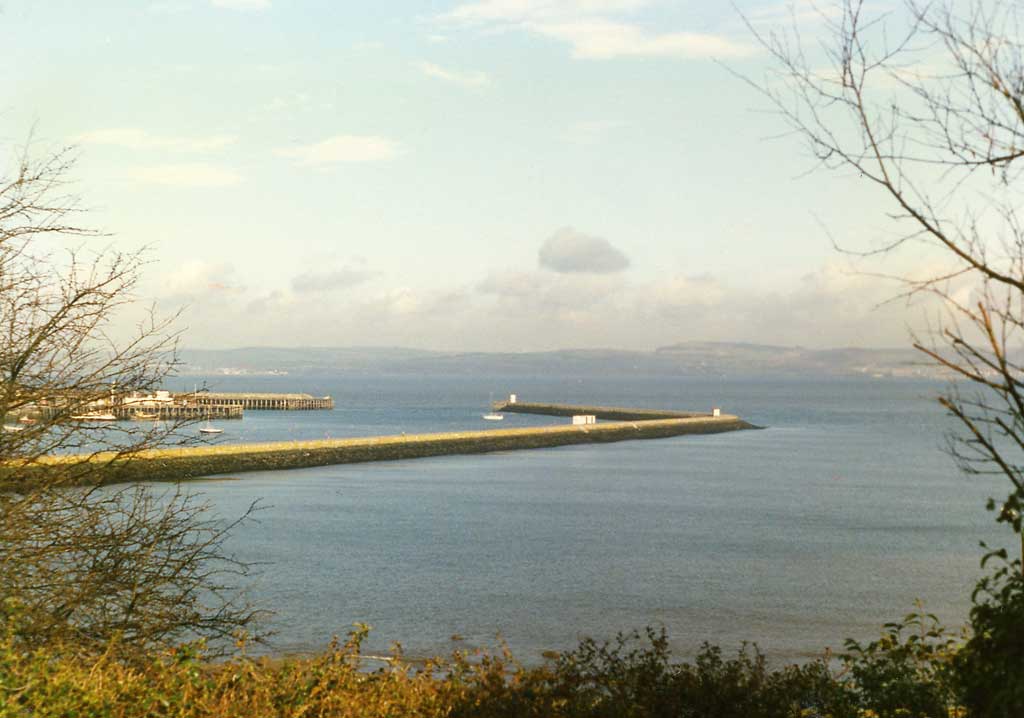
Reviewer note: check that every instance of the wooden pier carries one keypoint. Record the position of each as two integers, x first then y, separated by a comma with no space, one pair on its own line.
178,412
163,406
260,402
157,412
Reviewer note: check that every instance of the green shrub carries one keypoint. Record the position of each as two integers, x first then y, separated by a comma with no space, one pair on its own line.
633,676
907,672
989,669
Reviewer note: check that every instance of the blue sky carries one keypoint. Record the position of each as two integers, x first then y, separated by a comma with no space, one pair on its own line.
495,174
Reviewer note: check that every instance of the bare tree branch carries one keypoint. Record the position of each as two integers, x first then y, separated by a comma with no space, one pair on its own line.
81,562
918,118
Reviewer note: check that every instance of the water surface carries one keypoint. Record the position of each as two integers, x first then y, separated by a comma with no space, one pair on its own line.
828,523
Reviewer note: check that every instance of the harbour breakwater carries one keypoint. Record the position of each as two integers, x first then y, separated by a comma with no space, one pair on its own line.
607,413
202,461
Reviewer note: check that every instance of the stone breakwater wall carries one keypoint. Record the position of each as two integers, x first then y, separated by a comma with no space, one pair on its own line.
196,462
607,413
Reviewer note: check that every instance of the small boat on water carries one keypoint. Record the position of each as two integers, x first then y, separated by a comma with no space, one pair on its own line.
209,428
11,428
492,415
145,416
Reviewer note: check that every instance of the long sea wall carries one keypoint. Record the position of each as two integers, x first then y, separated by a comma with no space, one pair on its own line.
607,413
196,462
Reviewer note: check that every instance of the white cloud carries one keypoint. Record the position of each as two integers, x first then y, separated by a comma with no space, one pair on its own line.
195,174
241,4
466,79
329,280
529,10
198,279
593,29
133,138
599,39
400,301
682,291
568,251
343,148
800,12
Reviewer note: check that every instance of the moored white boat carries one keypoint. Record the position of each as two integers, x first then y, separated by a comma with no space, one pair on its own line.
492,415
209,428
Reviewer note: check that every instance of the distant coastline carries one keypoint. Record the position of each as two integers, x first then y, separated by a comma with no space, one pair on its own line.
713,359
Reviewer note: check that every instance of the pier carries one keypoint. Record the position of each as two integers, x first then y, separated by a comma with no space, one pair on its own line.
261,402
152,411
161,405
177,412
202,461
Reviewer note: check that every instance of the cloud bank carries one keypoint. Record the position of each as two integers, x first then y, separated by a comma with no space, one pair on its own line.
579,297
535,310
197,174
330,281
343,149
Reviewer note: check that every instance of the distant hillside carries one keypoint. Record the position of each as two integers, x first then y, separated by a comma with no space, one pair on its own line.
687,358
762,359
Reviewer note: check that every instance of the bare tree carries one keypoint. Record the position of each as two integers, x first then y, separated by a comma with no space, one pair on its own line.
80,561
926,104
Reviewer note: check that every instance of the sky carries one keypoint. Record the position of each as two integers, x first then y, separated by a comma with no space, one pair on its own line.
479,175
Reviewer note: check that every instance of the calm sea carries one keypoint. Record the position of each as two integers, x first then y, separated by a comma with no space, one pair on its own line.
826,524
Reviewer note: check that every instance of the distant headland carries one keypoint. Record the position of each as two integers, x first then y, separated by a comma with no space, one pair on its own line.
692,358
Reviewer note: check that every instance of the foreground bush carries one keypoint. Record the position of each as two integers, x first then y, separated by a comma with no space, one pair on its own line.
989,669
915,670
626,677
179,683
